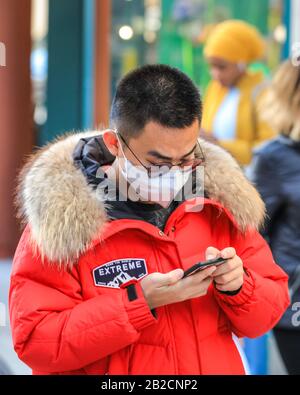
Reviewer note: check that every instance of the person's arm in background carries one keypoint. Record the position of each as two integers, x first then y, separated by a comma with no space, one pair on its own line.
240,149
263,130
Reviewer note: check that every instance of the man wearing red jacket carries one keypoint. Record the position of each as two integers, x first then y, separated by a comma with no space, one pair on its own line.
98,283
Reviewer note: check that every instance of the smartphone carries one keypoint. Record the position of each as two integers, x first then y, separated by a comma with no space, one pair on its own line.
203,265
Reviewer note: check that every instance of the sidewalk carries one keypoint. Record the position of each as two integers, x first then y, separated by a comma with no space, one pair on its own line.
7,353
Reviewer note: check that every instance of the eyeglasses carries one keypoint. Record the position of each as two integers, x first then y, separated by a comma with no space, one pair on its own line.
155,170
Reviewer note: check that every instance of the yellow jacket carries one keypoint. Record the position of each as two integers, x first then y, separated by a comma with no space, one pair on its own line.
250,129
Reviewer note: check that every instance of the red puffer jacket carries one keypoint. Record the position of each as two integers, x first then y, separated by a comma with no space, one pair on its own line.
68,314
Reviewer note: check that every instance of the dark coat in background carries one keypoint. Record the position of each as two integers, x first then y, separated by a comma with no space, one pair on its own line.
276,173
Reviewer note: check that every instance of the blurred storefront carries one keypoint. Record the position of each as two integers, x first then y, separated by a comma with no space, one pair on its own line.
91,44
173,31
16,137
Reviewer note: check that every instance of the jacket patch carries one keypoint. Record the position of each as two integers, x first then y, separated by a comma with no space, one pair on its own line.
112,274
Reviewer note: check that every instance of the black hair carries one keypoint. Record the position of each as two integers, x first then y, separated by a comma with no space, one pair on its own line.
157,93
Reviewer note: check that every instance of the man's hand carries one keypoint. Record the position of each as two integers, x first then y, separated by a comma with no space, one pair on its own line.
162,289
230,275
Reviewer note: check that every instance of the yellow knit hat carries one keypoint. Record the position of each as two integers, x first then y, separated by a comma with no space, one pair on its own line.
235,41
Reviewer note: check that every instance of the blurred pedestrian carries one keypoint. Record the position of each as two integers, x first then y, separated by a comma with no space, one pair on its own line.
230,108
276,173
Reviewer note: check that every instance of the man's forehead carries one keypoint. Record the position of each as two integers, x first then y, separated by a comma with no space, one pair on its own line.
165,142
155,131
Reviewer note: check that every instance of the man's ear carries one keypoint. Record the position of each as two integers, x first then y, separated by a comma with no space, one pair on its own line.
111,141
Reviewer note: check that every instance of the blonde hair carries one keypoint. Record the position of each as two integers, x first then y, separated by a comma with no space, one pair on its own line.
281,105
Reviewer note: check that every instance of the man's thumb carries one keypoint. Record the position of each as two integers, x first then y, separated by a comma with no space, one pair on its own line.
211,253
172,277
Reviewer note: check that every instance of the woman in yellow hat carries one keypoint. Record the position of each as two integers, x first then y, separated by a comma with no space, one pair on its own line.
230,107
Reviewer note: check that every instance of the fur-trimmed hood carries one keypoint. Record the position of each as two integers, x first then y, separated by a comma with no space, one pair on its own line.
64,213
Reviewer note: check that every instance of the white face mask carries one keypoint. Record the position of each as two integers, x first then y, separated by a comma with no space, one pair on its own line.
161,187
